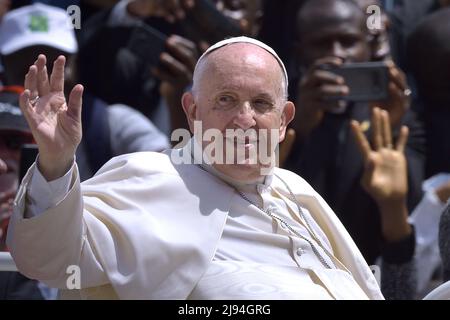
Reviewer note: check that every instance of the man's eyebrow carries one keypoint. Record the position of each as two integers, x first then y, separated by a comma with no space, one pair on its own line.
265,96
229,87
236,87
334,33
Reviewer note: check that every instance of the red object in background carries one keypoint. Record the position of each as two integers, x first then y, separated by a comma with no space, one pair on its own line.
12,89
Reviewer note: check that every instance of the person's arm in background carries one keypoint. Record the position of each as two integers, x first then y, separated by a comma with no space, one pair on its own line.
131,131
176,63
398,257
385,179
398,105
176,70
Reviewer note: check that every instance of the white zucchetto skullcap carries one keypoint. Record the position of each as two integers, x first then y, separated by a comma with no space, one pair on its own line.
243,39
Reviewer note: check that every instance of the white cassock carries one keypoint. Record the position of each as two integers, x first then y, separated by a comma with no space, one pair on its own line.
147,228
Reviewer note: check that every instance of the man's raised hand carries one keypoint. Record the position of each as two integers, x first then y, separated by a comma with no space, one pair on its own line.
55,124
385,175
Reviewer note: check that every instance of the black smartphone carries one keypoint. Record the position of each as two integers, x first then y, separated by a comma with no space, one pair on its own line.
367,81
204,22
28,155
147,44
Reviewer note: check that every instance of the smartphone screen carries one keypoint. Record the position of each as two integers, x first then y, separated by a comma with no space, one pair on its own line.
147,44
367,81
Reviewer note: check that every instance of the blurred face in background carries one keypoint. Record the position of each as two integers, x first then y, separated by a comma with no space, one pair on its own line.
332,28
17,63
10,146
247,13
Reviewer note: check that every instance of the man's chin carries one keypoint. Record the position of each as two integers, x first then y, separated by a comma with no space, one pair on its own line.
245,172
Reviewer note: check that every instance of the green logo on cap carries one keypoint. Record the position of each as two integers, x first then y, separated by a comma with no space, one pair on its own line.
38,23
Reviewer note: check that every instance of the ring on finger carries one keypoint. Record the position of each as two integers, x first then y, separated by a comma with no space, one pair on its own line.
34,100
407,92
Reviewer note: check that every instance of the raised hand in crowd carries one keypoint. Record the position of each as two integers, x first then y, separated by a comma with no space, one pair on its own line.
385,173
54,122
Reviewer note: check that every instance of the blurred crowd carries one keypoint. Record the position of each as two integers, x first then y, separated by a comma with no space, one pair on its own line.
136,58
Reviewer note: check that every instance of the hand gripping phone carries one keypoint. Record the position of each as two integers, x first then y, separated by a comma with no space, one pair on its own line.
147,44
367,81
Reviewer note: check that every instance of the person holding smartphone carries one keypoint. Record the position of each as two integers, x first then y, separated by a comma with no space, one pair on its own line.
331,34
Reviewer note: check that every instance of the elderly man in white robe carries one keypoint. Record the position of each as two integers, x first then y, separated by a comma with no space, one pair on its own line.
148,226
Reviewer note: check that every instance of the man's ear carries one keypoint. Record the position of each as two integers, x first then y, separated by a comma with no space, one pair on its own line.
190,109
286,117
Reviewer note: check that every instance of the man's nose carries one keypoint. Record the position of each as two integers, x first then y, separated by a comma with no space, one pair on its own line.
245,119
338,50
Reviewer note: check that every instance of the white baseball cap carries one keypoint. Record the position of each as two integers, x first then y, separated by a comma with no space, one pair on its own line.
34,25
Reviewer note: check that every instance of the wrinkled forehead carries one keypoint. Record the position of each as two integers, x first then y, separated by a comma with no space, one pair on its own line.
320,14
242,53
236,56
242,46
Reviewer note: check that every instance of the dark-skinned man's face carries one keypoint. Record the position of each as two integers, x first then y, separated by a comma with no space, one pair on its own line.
17,64
332,29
